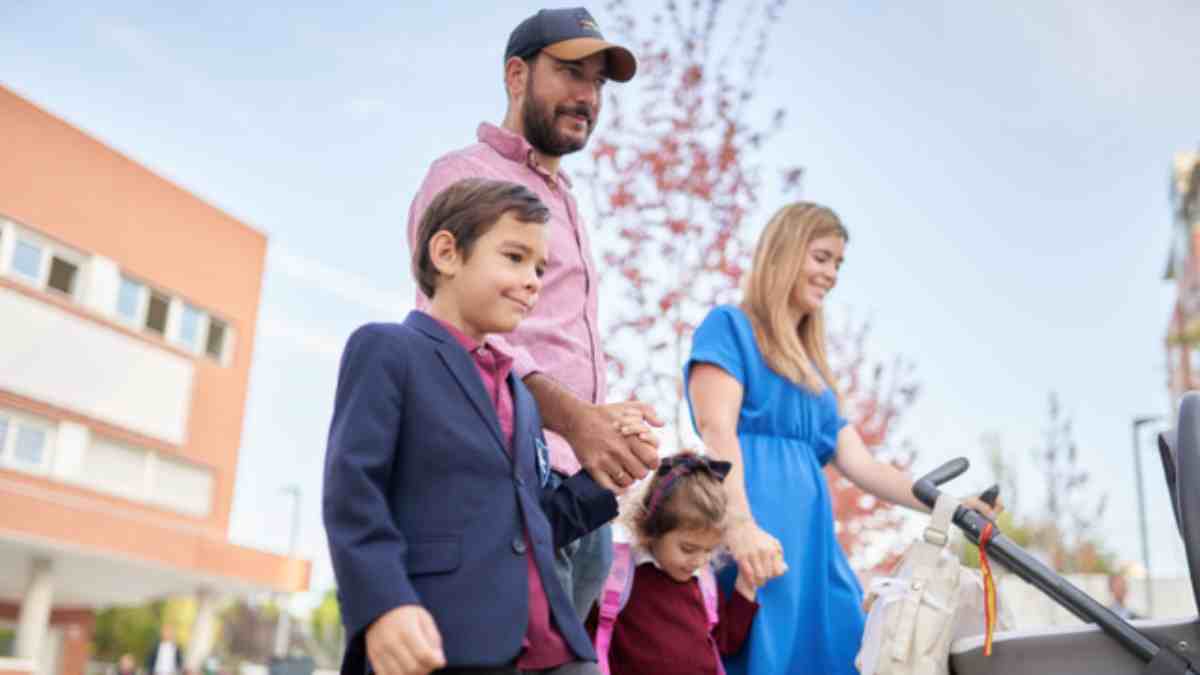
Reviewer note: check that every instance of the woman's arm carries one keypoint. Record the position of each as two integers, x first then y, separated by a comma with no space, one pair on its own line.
884,480
716,402
871,475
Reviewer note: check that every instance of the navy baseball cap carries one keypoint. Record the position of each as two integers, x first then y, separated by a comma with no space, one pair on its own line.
569,35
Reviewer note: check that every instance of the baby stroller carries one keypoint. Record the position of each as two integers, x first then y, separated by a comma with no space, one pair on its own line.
1108,645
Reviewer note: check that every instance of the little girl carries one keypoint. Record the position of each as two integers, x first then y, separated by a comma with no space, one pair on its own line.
671,618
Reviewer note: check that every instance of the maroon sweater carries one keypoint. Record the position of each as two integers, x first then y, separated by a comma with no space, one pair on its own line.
663,628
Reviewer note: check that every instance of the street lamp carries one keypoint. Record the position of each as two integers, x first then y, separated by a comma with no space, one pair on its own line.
1138,423
282,627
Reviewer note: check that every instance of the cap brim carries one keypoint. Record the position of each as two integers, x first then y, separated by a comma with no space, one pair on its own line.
621,64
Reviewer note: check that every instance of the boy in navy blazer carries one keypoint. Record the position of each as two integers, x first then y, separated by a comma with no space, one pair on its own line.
440,526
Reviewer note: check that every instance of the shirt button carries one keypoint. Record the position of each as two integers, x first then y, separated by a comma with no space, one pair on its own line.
520,481
518,545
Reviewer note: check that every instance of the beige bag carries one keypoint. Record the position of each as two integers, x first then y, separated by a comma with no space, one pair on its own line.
912,616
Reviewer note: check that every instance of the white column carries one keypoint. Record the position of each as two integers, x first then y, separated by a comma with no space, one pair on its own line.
34,618
204,630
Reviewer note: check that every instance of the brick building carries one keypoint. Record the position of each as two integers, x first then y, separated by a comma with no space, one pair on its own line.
127,316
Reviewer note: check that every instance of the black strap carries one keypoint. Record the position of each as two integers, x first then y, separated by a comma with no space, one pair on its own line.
1167,662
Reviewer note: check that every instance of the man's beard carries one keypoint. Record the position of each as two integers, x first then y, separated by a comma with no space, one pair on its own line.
541,131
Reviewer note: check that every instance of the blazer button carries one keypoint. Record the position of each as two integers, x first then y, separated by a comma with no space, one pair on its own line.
518,545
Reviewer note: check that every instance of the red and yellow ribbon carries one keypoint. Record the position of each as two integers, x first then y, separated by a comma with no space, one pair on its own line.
989,589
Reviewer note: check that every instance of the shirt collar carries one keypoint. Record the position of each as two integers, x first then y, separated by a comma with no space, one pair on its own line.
642,556
515,148
471,344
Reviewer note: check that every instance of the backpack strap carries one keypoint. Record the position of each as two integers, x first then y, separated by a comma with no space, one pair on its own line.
709,591
612,599
926,553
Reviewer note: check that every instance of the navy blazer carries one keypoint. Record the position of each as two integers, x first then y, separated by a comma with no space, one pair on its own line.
424,505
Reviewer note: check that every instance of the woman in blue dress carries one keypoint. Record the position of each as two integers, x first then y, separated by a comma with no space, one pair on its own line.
760,392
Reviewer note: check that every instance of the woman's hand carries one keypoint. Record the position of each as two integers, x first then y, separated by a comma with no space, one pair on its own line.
759,555
991,512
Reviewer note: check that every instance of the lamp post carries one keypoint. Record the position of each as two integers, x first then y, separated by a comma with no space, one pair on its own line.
282,627
1138,423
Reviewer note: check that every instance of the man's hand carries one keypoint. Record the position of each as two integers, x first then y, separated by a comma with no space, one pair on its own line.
405,641
759,555
614,443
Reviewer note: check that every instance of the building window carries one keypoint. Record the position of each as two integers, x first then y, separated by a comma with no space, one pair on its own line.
215,345
182,487
62,275
129,300
24,443
141,475
156,313
152,310
43,263
27,260
189,326
30,446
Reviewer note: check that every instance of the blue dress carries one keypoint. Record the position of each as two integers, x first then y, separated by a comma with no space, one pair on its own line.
810,619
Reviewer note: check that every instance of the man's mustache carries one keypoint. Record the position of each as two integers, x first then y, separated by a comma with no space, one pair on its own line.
580,110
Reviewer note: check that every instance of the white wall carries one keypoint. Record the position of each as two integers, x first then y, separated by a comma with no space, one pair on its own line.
56,357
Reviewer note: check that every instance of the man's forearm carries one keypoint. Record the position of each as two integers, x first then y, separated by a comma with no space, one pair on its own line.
559,408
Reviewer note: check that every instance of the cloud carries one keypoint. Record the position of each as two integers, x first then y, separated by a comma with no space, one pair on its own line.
347,286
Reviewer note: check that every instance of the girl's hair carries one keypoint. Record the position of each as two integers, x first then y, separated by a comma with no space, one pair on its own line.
685,492
778,264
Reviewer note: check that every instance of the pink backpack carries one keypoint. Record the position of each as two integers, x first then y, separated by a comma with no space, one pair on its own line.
616,593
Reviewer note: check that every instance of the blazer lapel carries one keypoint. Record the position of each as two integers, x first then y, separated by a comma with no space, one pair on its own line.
464,370
459,363
526,456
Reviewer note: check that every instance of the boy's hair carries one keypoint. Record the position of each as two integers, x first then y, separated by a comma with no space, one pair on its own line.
468,209
688,495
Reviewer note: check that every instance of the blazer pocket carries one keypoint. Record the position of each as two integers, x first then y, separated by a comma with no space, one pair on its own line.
433,554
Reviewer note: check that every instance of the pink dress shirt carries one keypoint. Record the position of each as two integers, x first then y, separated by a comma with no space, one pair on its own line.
543,646
560,338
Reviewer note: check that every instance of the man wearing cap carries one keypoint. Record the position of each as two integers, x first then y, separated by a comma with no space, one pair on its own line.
556,65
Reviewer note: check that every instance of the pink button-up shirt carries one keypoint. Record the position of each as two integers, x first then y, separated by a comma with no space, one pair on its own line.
560,338
543,646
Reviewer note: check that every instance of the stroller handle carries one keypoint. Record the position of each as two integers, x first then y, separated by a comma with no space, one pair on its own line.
925,489
1011,556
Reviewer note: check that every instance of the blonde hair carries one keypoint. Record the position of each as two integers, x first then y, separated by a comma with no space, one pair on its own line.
691,498
778,264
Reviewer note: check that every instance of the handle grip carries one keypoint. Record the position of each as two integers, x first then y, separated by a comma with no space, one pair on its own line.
925,489
990,496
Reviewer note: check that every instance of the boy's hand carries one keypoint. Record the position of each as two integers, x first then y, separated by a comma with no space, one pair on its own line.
405,641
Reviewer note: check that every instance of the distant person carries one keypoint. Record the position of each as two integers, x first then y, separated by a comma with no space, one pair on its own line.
165,657
556,69
441,517
1119,588
127,665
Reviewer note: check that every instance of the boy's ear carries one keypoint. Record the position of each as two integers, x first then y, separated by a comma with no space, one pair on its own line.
444,253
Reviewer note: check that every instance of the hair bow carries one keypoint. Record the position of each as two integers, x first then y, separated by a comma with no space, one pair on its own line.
689,462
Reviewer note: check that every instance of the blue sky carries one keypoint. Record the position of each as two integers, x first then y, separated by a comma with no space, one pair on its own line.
1002,167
